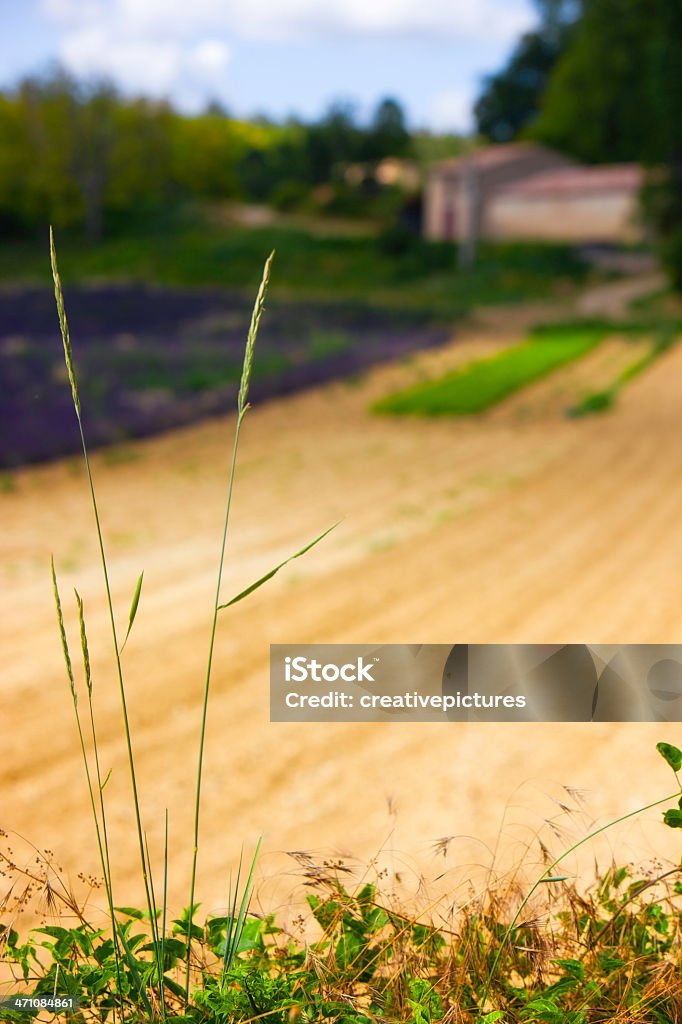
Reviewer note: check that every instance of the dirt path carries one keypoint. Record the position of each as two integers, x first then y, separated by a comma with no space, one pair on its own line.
613,298
517,526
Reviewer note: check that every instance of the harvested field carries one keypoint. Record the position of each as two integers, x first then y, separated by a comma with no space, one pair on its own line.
516,526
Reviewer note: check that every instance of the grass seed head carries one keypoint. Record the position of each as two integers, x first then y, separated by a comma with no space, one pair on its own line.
62,630
84,642
258,308
64,327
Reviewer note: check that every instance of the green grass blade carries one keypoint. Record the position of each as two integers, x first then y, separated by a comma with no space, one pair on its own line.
230,926
154,925
163,918
133,608
235,928
134,971
273,572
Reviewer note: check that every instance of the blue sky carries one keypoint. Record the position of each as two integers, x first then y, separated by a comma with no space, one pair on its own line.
276,57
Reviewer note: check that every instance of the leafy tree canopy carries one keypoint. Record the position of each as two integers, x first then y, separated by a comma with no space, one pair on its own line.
511,99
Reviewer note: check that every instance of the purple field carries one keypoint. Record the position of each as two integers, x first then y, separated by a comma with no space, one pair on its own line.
150,359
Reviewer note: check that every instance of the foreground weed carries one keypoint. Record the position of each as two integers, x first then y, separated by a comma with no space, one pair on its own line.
146,979
578,955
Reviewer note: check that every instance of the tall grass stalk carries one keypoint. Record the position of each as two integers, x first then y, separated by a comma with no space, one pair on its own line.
99,818
242,407
73,380
163,917
100,786
238,902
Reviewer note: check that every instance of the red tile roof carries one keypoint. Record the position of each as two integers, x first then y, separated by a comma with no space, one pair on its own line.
580,181
491,156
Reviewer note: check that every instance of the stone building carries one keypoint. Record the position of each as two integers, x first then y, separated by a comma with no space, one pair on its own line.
580,204
526,191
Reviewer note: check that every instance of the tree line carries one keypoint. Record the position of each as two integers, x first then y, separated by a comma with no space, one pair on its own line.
82,156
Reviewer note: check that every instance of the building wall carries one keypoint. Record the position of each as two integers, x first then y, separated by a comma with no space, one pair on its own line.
449,188
440,207
596,217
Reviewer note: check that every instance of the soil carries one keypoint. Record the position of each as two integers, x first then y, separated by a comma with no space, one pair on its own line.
516,526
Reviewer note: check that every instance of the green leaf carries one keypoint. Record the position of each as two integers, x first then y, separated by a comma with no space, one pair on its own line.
556,878
671,754
179,991
273,572
133,607
137,915
573,968
181,925
673,818
55,931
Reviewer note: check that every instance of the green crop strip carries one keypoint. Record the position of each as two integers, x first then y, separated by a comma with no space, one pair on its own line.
484,383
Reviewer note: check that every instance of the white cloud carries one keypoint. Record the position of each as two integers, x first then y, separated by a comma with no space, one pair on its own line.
137,64
451,111
142,62
479,20
182,47
209,57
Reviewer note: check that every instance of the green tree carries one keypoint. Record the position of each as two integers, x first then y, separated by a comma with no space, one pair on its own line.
332,142
71,154
387,134
511,99
141,175
598,102
15,158
665,131
94,130
616,95
205,151
48,110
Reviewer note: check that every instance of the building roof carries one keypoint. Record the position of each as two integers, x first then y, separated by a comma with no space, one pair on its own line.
492,156
565,181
